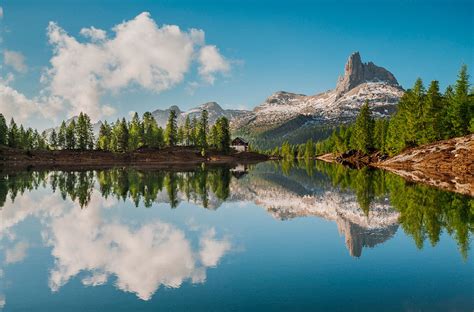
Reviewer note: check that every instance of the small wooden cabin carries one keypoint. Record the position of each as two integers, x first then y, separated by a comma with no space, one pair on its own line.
239,145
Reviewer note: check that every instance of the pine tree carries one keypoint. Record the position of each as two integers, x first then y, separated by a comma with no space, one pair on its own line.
71,141
13,134
432,118
136,133
3,130
122,136
222,136
105,134
187,131
62,135
203,129
364,129
53,139
171,129
459,106
180,135
82,132
150,131
212,139
194,131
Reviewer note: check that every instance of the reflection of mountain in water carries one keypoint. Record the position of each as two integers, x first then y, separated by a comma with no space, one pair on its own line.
299,195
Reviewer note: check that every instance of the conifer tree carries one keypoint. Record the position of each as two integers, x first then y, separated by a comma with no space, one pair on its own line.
459,106
71,141
3,130
222,136
187,131
62,135
364,128
150,130
13,134
53,139
136,133
122,136
203,129
105,134
171,129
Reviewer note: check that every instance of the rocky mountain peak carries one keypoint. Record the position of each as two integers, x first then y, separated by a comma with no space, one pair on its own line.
211,106
356,73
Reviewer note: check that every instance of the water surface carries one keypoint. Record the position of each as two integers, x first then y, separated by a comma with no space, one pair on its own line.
273,236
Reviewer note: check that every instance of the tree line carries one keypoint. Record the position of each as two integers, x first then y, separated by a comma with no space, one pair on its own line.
121,136
423,116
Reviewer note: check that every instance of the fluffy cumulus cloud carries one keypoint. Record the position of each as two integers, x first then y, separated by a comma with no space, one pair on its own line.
137,53
212,62
16,60
15,104
1,12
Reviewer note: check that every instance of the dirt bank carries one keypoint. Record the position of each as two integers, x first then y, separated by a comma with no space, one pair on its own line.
447,164
177,157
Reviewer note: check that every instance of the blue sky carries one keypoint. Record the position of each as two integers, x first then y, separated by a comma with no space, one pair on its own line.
298,46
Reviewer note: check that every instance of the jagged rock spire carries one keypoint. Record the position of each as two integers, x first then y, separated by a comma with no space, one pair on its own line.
357,72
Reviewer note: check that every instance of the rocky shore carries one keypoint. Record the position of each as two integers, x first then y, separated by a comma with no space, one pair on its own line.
447,164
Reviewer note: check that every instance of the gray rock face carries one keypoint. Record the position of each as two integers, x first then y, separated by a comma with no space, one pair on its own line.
356,73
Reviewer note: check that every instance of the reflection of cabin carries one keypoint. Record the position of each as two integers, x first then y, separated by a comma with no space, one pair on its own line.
239,171
239,145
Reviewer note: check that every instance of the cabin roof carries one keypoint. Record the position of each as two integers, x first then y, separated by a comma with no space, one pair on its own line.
239,141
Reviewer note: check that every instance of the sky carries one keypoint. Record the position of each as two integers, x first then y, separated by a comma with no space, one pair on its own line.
110,58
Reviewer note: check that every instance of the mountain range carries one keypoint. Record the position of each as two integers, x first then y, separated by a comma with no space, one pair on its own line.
298,117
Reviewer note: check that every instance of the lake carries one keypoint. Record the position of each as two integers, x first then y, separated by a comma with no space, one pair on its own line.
276,236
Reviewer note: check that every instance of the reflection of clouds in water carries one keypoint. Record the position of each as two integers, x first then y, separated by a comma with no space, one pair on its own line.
142,258
17,253
211,249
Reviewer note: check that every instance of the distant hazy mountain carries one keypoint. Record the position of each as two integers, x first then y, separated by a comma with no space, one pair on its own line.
291,116
215,111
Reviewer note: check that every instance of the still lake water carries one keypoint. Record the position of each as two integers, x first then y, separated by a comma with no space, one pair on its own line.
273,236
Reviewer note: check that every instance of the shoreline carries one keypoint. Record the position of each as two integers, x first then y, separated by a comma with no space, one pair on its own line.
167,158
446,164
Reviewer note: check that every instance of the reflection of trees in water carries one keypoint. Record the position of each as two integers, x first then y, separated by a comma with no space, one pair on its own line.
424,211
138,185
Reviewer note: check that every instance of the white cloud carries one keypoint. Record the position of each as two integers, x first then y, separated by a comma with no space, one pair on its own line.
139,53
17,253
93,33
16,105
16,60
1,12
211,62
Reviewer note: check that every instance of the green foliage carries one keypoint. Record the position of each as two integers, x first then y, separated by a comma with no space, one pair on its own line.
136,133
171,135
71,135
364,130
3,130
202,130
121,136
13,135
83,132
105,136
53,139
